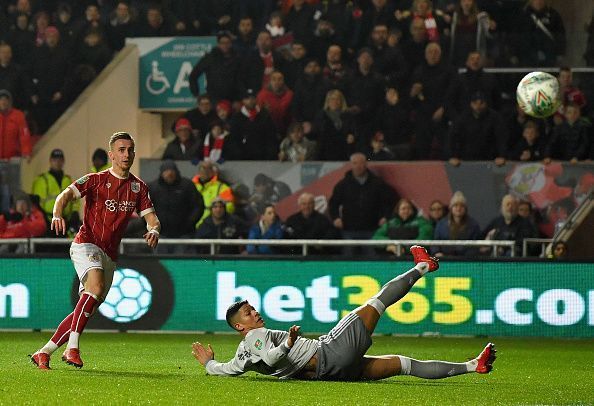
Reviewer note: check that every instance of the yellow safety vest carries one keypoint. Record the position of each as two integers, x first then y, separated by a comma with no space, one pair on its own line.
46,187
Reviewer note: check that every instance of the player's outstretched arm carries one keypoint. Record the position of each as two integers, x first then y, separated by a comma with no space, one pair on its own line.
58,223
201,353
293,334
154,228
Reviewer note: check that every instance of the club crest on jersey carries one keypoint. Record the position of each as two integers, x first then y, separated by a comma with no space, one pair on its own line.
135,186
108,185
258,344
82,180
94,257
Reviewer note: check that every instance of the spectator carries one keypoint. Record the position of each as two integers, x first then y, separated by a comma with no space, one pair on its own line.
24,220
21,38
188,17
559,251
275,26
77,81
378,150
437,211
309,224
219,14
52,63
526,211
540,35
14,79
201,116
252,133
154,23
360,202
388,61
293,67
310,92
470,31
378,12
41,21
245,40
267,191
185,147
531,147
509,226
268,228
335,70
15,139
324,37
393,121
570,94
413,45
179,203
121,25
365,91
208,184
93,51
335,129
475,79
517,119
276,97
222,225
478,134
259,64
224,110
65,24
406,224
50,184
435,21
300,21
214,143
100,161
90,22
458,225
295,147
431,85
221,69
570,140
244,209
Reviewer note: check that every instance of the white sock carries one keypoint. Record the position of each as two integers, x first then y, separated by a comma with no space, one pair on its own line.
422,267
73,340
471,365
49,348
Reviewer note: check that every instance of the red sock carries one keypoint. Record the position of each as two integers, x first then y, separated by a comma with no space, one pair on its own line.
63,331
82,312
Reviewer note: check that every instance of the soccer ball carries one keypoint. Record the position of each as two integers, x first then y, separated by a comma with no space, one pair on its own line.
129,298
538,94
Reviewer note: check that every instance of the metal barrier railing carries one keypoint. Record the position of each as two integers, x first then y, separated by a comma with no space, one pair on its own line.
31,243
533,241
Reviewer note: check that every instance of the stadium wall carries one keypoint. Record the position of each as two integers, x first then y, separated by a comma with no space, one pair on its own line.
468,298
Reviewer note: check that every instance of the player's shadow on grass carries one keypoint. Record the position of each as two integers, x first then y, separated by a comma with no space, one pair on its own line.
262,378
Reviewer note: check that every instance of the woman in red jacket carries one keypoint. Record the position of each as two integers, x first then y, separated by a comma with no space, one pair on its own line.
15,138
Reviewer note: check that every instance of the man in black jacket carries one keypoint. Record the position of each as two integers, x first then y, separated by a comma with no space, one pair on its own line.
360,203
221,67
179,203
222,225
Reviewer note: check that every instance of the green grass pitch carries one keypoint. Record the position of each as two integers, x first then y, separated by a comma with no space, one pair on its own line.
145,368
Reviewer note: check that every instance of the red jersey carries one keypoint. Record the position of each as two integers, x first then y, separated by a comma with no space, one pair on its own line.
110,202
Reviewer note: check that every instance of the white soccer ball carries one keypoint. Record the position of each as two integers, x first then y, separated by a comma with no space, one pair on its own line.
129,298
538,94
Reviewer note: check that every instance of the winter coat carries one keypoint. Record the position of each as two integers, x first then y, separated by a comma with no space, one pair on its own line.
15,138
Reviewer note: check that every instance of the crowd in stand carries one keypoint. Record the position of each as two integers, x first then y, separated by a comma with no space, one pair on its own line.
298,80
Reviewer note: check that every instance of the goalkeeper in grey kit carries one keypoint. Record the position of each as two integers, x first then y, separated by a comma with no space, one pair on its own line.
340,354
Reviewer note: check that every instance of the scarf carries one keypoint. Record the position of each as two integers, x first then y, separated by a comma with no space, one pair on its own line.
250,114
268,62
335,117
216,151
430,26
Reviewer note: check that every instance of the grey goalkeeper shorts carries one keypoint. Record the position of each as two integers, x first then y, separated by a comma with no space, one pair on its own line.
340,356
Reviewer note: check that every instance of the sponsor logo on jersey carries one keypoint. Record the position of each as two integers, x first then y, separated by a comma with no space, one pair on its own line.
82,180
94,257
113,205
258,344
135,186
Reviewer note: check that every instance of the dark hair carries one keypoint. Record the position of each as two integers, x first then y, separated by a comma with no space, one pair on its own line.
120,135
232,311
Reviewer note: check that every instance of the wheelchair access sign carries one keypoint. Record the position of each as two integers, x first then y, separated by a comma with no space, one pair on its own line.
164,70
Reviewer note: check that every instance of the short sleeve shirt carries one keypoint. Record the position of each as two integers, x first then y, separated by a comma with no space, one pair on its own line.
110,202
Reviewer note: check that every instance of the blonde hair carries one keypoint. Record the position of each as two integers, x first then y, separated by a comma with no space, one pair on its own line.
335,92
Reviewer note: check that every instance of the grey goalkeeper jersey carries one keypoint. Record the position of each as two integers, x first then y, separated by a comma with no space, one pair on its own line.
265,351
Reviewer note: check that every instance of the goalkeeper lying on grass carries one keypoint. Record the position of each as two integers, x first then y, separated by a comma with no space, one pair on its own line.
339,355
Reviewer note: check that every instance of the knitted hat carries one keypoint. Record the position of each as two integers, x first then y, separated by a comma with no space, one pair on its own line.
458,197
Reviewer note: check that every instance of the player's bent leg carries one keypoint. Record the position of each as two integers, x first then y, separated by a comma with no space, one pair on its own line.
380,367
389,294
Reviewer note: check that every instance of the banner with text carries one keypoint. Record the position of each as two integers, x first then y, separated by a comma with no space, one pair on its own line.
164,70
471,298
